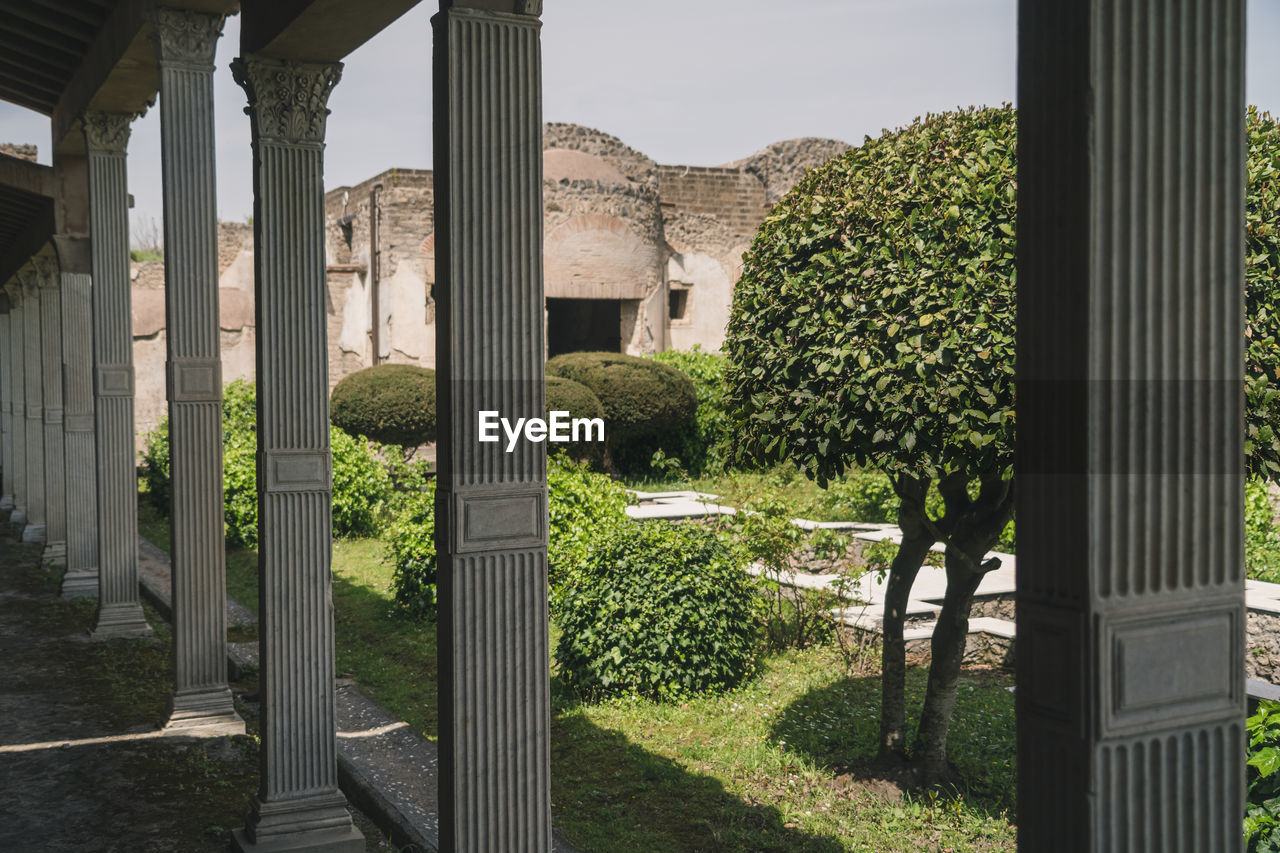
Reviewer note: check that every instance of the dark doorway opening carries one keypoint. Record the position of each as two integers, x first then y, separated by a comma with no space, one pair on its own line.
583,325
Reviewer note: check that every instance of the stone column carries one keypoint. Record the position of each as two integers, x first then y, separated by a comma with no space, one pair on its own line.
119,613
54,459
17,387
298,804
74,271
33,377
185,43
6,411
1130,560
491,536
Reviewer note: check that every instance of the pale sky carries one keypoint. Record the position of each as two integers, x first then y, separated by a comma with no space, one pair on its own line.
691,82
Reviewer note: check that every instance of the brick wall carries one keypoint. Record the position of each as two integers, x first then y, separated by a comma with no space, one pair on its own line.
733,197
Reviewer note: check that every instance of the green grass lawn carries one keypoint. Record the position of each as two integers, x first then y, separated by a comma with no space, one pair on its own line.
774,765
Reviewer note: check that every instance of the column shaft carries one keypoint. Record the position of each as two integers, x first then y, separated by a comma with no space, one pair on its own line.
1130,560
6,410
54,457
185,43
33,370
75,265
299,793
492,534
17,383
119,612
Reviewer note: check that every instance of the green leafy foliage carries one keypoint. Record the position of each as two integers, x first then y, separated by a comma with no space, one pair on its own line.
582,505
389,403
411,542
1262,806
642,398
702,446
658,610
873,323
1262,296
361,486
1261,536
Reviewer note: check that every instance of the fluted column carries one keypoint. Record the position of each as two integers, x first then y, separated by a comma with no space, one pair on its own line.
185,43
119,613
51,376
1130,483
75,274
33,377
17,388
6,410
298,801
491,536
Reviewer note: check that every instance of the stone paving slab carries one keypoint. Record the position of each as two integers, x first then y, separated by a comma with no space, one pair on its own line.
672,496
674,509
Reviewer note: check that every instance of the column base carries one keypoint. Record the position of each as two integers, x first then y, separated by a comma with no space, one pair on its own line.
120,620
18,518
207,713
320,823
80,582
6,502
33,533
54,556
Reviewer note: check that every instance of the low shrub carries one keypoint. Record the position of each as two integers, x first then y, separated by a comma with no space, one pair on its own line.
641,397
702,446
388,403
581,506
412,546
1261,536
361,486
1262,805
658,610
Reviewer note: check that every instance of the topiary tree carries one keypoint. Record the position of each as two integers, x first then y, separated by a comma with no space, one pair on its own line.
641,397
388,403
874,324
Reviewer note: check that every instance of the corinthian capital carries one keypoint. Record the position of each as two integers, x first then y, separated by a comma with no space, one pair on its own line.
287,99
184,37
46,267
107,132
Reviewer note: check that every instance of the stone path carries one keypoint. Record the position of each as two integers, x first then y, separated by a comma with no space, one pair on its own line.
385,768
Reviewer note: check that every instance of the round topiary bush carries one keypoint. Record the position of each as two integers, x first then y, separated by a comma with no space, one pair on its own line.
641,397
389,403
565,395
658,610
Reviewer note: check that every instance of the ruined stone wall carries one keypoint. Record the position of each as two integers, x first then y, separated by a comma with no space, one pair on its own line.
781,165
235,312
603,230
22,152
733,197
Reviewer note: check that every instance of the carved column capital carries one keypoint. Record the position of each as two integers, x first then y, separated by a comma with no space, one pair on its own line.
529,8
108,132
46,267
185,38
30,277
287,99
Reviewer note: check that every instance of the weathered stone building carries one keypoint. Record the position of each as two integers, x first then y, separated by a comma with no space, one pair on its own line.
639,258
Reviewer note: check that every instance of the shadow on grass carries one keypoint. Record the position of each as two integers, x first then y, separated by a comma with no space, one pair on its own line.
838,727
610,794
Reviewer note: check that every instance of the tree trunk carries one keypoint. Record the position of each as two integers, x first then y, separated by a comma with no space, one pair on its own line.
893,711
947,649
916,541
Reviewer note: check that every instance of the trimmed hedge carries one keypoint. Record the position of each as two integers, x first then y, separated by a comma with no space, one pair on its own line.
642,398
565,395
388,403
658,610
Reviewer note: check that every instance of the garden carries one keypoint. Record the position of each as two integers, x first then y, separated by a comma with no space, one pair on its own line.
702,699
